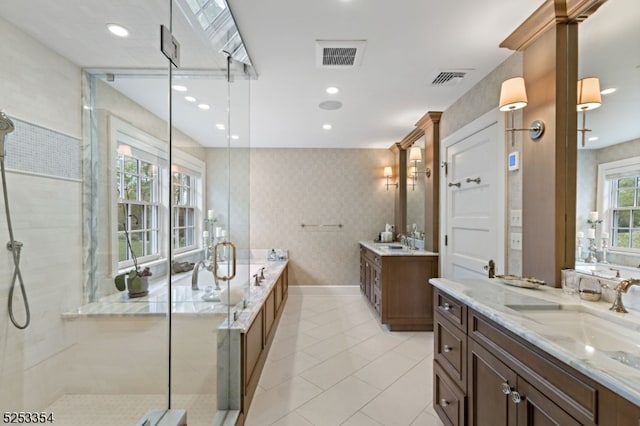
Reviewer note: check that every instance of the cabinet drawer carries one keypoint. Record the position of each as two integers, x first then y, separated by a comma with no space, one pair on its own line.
448,400
450,350
451,309
571,390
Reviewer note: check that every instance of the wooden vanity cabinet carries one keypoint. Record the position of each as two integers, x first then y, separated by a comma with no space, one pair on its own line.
398,288
256,341
486,375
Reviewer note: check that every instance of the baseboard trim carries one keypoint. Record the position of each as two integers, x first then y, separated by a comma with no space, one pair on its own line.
324,290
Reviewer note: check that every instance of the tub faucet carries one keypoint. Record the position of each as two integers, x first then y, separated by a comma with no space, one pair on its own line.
622,288
194,274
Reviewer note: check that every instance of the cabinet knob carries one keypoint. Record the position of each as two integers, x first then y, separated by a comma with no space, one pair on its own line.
506,389
447,348
516,397
446,306
444,402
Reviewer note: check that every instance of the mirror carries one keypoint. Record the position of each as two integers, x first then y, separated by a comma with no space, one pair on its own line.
610,52
415,189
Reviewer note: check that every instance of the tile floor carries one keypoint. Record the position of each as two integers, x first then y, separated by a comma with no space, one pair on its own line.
332,363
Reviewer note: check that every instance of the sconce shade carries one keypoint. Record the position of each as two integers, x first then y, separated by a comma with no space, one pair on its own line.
415,154
589,94
388,172
513,94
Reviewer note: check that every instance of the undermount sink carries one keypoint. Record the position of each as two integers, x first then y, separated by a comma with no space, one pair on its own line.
574,326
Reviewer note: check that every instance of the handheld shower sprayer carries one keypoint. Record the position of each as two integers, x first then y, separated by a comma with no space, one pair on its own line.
6,127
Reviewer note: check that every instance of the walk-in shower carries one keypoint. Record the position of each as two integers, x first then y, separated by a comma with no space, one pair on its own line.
6,127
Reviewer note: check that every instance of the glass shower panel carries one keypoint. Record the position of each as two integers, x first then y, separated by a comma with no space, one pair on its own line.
90,156
213,285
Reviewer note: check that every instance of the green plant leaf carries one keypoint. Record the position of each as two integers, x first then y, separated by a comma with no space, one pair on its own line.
120,282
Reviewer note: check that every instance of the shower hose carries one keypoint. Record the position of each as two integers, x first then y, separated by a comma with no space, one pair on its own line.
15,247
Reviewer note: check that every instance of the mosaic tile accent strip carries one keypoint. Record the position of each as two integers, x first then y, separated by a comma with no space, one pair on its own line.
34,149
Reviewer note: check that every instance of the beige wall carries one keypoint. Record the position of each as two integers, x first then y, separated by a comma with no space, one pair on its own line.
479,100
290,187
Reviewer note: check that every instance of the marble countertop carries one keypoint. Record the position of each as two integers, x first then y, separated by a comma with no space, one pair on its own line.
601,344
184,300
388,249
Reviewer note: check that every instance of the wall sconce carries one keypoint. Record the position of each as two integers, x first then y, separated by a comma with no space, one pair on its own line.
388,173
588,98
513,96
415,156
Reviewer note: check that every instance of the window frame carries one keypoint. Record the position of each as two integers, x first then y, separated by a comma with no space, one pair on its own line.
189,165
128,138
606,196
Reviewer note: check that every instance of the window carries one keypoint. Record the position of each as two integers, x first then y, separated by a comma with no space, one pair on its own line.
184,211
138,186
141,197
625,212
619,200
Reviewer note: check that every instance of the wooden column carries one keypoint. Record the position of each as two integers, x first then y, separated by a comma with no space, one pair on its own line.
430,125
548,40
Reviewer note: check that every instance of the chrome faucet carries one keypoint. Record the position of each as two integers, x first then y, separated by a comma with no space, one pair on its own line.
209,266
194,274
622,288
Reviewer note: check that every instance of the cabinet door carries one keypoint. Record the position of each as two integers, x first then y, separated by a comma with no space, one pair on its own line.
490,383
535,409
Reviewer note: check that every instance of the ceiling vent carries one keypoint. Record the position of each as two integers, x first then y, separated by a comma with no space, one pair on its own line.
449,77
339,53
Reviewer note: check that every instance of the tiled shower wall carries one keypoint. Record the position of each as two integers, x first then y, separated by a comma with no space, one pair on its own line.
41,90
291,187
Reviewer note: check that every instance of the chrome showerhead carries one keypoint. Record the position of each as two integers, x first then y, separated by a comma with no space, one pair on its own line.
6,127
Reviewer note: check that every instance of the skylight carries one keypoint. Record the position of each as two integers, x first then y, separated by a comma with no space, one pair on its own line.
215,20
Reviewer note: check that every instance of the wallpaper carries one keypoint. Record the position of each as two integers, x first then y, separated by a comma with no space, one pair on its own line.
291,187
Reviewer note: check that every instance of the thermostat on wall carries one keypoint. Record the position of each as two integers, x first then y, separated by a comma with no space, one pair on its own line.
514,161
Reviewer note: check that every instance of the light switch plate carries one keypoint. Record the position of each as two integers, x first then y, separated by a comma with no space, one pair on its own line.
516,241
515,218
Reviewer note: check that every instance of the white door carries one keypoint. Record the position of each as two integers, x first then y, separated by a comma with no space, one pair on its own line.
474,205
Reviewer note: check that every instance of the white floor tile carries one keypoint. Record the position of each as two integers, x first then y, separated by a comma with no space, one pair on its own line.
280,401
327,348
279,371
359,419
385,370
335,369
376,345
396,406
337,404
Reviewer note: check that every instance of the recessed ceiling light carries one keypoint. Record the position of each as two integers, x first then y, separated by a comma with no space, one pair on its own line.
593,139
235,137
204,106
179,88
326,126
608,91
118,30
189,99
332,90
220,126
